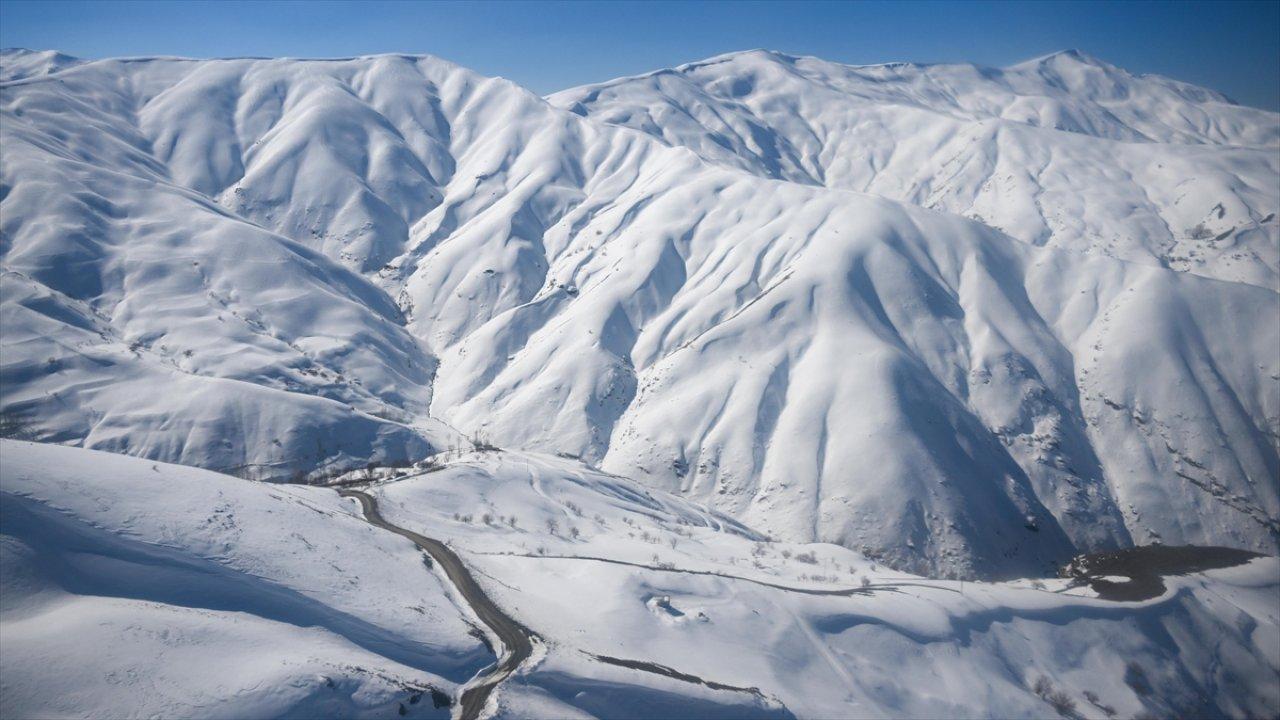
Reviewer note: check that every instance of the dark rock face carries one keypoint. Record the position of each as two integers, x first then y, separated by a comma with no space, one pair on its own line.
1146,565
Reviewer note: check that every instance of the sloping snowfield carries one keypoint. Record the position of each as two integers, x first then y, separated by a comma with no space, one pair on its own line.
142,589
135,588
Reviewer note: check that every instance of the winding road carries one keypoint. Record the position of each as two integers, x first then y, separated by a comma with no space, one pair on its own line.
516,638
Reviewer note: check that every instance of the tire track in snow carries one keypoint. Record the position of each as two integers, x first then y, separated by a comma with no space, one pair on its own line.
864,590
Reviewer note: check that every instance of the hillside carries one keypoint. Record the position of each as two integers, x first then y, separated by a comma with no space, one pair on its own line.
1065,151
286,268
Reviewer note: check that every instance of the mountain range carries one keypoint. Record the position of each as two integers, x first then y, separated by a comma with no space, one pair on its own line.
966,321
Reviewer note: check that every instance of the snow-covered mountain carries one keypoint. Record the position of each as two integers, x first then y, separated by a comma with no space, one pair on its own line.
280,267
1065,150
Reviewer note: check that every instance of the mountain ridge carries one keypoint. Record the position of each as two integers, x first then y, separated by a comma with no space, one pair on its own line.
570,285
1054,151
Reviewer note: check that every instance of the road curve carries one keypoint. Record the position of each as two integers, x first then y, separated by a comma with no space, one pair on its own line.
516,638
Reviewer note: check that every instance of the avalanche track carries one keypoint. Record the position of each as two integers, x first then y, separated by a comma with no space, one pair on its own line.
516,638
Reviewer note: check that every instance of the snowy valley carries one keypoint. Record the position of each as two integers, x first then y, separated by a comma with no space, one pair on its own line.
215,596
761,386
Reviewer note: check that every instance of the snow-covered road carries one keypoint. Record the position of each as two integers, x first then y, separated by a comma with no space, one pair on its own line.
516,638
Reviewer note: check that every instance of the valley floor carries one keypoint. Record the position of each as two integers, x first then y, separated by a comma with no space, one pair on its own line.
134,588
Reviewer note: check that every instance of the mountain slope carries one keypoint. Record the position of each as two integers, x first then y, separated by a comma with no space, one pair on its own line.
139,588
142,317
393,242
1065,150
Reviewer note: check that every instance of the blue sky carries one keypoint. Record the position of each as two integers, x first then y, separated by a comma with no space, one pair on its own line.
1233,47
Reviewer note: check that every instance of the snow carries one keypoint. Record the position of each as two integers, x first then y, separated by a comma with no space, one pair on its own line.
947,316
142,588
902,647
726,381
1065,150
134,588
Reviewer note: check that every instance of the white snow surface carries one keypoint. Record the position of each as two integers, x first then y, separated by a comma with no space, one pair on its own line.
637,575
141,589
136,588
1064,150
278,268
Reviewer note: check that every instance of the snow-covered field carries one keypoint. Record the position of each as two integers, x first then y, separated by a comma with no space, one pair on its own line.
599,566
140,588
782,356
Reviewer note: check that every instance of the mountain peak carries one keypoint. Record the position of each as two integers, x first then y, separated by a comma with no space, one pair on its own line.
18,63
1070,56
753,55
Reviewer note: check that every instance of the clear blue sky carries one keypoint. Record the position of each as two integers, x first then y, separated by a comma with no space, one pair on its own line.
1233,47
